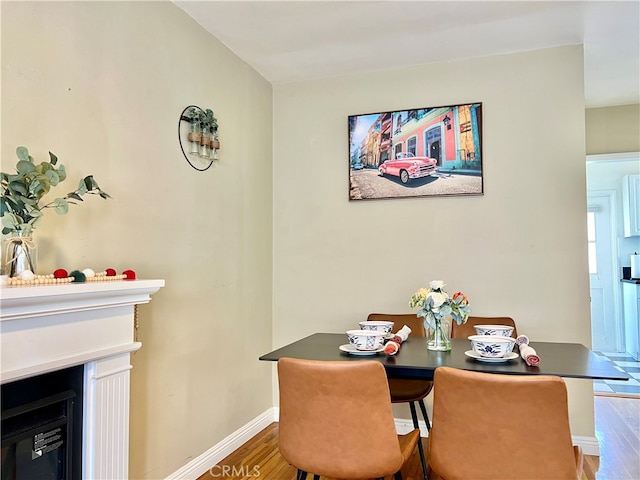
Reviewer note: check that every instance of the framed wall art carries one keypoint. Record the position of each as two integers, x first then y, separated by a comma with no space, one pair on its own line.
416,153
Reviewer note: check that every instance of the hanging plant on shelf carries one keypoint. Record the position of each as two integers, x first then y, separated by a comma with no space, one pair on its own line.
194,136
203,136
20,204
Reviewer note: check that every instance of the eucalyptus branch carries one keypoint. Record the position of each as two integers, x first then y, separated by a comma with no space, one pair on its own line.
22,192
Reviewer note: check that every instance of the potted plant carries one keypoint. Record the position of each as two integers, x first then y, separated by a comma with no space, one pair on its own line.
21,208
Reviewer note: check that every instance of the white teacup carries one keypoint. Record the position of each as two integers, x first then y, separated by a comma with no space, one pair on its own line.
377,325
499,330
492,346
366,339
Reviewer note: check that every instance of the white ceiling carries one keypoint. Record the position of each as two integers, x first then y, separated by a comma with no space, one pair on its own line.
288,41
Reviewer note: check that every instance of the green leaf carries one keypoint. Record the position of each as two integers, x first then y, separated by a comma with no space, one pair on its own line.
53,158
90,183
23,153
82,188
18,187
75,196
62,173
53,177
40,185
10,220
36,223
36,187
44,167
61,206
24,167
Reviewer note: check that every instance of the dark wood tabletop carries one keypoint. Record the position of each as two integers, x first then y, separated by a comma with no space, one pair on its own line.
571,360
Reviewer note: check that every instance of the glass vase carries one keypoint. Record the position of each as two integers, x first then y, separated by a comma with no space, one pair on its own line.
439,338
19,253
205,139
194,139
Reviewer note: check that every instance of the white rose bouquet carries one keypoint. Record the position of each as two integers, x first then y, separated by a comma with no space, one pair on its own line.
435,304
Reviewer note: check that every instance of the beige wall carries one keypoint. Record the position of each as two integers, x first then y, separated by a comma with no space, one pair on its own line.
102,85
613,129
518,250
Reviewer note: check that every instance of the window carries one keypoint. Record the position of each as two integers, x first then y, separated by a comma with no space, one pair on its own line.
412,145
591,239
397,149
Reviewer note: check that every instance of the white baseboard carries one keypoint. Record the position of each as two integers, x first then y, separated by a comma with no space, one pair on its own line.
203,463
404,425
589,445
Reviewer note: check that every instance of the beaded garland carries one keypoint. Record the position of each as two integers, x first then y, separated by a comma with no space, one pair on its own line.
60,276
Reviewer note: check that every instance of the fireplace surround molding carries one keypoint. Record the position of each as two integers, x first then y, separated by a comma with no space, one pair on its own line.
52,327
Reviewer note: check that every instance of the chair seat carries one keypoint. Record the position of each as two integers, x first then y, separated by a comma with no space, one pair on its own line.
408,443
407,390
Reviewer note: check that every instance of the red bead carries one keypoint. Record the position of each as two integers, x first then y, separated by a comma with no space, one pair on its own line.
110,272
129,274
60,273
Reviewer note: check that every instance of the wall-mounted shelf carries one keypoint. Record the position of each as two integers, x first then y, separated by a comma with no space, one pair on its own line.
201,137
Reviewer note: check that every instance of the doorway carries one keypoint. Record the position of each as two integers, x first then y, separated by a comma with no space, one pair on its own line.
605,328
605,175
432,142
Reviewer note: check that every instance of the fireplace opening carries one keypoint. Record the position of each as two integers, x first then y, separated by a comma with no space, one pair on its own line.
42,427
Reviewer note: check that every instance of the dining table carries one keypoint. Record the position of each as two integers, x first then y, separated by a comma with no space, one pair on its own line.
414,360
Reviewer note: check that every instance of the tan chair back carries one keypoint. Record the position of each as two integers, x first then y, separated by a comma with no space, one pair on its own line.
466,329
500,427
336,418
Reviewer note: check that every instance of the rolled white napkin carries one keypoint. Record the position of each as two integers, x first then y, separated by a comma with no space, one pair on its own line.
401,335
391,347
527,353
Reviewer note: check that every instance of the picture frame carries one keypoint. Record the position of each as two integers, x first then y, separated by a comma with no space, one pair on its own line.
420,152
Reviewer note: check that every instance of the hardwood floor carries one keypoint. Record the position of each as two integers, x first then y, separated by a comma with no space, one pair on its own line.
617,430
618,433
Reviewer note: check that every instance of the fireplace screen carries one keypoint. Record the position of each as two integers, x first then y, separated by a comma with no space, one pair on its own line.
41,427
35,439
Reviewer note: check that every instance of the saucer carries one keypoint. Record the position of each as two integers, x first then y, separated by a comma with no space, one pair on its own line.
506,358
351,350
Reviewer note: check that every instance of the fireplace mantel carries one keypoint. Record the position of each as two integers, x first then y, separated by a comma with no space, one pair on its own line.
51,327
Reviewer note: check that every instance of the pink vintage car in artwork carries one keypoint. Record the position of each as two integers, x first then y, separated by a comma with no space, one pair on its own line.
408,166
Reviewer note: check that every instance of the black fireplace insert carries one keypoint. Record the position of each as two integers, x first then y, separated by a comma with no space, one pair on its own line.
42,427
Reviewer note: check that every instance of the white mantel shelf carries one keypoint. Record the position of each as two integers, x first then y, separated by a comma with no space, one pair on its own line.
22,302
51,327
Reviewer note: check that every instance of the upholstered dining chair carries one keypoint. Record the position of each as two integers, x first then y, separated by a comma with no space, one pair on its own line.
466,329
408,390
501,427
336,420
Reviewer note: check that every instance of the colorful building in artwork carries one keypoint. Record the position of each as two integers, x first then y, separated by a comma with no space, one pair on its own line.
451,135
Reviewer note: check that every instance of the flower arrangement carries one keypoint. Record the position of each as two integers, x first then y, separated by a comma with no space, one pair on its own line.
22,192
435,304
